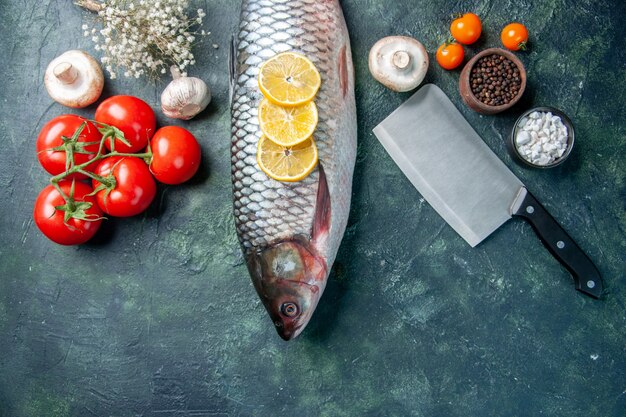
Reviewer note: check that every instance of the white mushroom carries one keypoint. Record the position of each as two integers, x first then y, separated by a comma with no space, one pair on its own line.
184,97
398,62
74,79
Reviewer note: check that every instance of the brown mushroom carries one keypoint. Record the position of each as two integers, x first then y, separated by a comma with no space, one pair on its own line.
74,79
398,62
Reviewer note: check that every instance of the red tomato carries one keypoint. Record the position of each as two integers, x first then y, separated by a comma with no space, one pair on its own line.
132,190
466,29
51,137
450,55
50,209
132,116
175,155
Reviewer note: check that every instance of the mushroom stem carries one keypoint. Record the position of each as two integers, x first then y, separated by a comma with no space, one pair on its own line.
91,5
401,59
398,62
175,72
65,73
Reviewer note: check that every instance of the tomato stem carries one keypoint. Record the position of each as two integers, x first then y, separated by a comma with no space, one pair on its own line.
94,176
71,148
136,155
56,186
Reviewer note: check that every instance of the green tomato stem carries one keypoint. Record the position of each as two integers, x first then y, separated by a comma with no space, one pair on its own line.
108,132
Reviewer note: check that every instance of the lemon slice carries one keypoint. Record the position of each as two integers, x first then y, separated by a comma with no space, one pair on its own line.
289,79
286,163
287,126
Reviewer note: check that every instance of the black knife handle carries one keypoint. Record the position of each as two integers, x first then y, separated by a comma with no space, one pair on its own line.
586,275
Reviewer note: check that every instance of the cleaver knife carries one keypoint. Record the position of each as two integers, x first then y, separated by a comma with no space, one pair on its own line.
467,184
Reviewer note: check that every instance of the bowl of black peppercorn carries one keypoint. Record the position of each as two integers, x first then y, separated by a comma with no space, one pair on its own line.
492,81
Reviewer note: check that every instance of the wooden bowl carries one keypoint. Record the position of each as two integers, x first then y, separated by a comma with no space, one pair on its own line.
466,90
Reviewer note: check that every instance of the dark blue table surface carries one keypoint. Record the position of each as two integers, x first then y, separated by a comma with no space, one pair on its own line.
157,316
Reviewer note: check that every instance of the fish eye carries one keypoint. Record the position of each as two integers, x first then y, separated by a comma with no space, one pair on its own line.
289,309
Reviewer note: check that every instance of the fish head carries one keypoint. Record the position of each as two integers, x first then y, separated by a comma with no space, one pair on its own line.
289,277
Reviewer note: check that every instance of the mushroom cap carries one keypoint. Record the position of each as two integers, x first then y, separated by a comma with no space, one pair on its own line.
398,62
82,81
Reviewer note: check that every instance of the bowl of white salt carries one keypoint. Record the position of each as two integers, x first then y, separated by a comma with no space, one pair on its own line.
542,137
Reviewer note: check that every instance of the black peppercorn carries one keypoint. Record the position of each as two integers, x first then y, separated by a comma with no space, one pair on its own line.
495,80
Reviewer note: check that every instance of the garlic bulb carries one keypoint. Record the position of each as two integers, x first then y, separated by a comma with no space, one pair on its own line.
184,97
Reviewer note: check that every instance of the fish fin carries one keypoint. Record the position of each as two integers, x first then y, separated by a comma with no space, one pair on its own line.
232,66
321,221
343,70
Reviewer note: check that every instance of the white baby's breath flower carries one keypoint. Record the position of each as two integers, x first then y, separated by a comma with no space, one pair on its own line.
140,37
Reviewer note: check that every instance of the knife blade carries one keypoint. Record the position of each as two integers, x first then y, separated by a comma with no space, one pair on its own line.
467,184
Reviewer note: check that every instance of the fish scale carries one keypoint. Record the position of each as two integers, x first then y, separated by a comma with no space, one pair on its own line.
266,211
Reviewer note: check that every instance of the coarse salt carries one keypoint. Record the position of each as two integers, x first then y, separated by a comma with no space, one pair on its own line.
541,138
